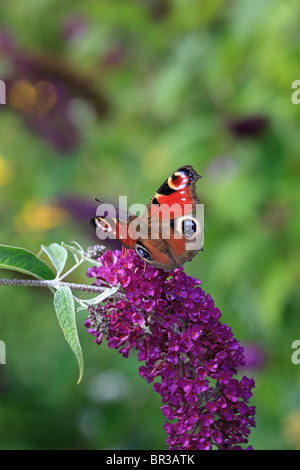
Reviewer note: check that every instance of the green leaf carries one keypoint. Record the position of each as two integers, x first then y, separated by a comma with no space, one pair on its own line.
19,259
57,254
77,253
65,311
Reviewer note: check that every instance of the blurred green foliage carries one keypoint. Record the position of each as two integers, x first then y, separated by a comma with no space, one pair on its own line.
150,86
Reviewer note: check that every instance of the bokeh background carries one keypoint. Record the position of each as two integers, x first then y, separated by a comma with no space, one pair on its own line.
105,96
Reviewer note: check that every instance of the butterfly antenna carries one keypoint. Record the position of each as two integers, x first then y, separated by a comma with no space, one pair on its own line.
95,199
131,196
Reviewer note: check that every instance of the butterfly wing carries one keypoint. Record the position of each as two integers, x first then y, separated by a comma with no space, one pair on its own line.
113,229
176,234
179,191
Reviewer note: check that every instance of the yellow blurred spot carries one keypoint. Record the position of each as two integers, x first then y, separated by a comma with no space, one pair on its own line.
39,217
6,174
32,98
291,428
22,95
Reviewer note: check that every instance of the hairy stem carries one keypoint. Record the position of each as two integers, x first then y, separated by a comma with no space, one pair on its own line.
54,284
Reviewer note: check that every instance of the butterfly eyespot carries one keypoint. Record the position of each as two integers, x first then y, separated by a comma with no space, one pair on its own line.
189,228
180,179
143,253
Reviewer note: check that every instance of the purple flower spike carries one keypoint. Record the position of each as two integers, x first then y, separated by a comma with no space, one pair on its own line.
189,355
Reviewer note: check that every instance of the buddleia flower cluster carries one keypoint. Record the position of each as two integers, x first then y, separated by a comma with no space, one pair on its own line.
191,358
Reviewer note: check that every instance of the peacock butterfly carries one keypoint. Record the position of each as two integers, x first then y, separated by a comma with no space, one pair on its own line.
167,233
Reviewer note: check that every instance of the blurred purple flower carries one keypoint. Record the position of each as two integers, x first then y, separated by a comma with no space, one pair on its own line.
115,56
81,210
255,356
222,167
56,126
188,353
7,42
41,87
73,26
250,127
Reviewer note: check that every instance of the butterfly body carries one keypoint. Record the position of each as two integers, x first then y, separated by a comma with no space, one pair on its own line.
167,233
